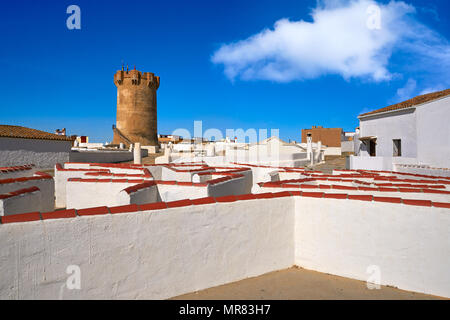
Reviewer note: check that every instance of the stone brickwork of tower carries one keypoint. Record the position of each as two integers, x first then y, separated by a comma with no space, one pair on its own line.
136,108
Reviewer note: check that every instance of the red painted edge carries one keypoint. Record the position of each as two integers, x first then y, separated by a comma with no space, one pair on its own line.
387,199
179,203
147,173
271,185
343,187
361,197
190,184
335,195
441,205
135,181
123,209
199,184
406,190
153,206
313,194
226,199
206,200
93,211
23,217
266,195
246,197
435,191
288,185
166,182
367,189
413,202
387,190
308,186
60,214
281,194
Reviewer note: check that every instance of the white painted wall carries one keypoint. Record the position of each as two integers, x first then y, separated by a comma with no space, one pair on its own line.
156,171
377,163
265,154
17,174
103,156
119,170
398,125
433,133
80,195
235,186
61,177
141,196
163,253
332,151
91,145
421,169
150,255
435,197
262,174
27,202
424,132
290,175
76,165
47,187
187,147
172,175
41,153
347,146
174,193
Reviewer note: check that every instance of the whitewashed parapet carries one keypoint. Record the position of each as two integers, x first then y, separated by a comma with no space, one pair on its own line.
20,201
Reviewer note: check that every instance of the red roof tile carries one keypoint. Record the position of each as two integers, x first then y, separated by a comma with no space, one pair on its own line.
8,131
411,102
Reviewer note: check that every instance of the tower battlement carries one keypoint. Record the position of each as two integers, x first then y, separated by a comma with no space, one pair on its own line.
136,107
135,77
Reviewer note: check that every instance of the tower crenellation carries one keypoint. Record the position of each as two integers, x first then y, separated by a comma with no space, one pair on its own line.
136,107
136,77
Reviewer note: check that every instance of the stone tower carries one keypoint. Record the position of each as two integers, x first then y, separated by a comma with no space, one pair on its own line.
136,108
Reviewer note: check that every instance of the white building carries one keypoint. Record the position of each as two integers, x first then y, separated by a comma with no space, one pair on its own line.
20,146
414,133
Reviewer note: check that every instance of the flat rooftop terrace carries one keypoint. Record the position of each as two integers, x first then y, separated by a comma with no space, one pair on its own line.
301,284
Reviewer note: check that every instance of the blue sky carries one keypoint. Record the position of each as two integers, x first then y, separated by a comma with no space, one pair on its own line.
227,63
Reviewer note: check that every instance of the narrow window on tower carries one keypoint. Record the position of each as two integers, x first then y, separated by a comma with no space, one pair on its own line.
397,143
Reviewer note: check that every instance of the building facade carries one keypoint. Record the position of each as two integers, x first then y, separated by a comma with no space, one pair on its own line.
413,132
23,146
330,137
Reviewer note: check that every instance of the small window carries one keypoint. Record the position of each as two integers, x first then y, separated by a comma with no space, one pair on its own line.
373,148
397,143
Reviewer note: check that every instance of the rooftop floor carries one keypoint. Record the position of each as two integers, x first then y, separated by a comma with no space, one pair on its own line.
301,284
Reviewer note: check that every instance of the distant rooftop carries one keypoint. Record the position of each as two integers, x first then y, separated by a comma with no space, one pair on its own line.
411,102
8,131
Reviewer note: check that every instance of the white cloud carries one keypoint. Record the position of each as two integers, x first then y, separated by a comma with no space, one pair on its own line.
412,89
337,41
408,91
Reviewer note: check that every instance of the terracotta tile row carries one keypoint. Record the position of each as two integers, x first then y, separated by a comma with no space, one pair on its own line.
16,168
18,192
23,179
34,216
338,187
